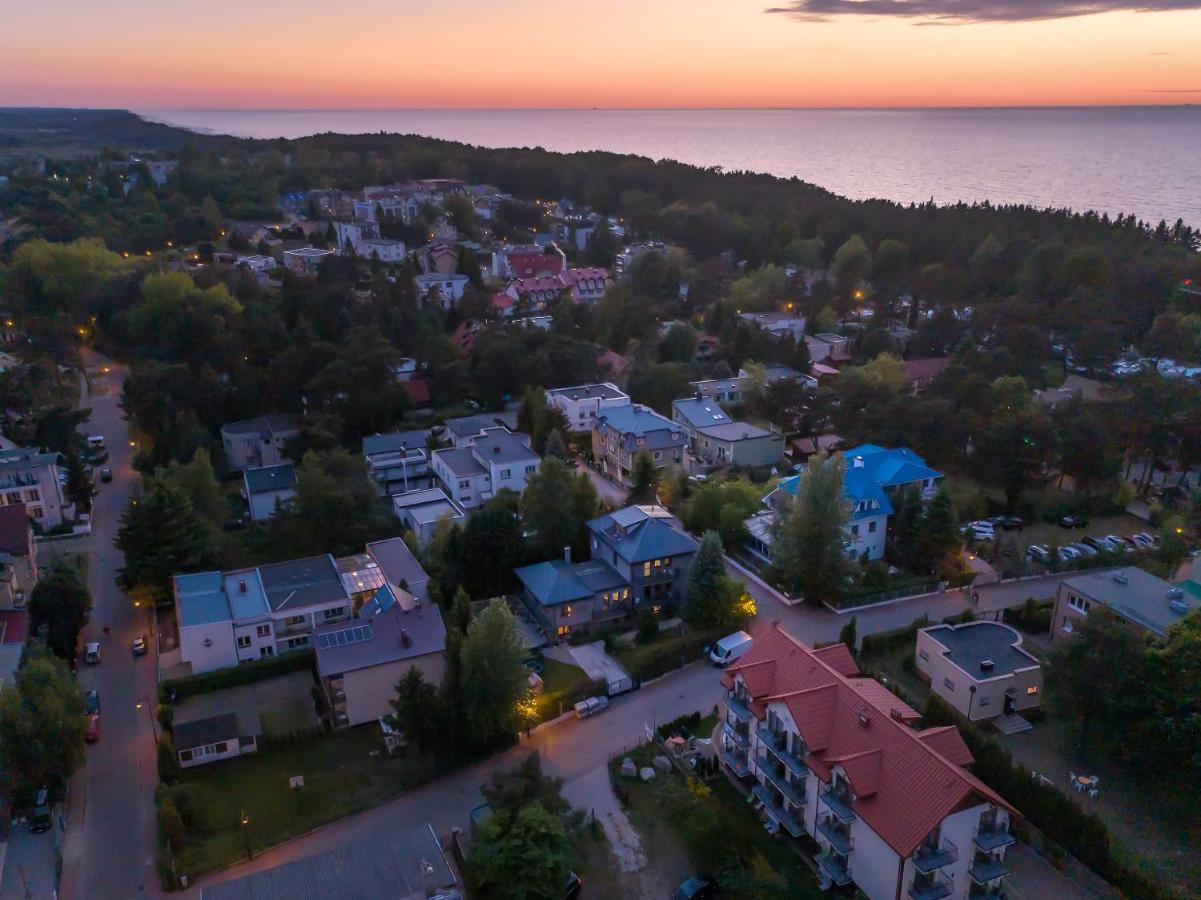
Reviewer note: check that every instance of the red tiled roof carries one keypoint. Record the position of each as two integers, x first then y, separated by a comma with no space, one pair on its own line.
14,626
502,301
884,700
949,742
463,337
904,784
925,369
418,390
528,263
14,529
839,658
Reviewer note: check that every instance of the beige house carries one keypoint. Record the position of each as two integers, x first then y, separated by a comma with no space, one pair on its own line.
360,662
980,669
1137,598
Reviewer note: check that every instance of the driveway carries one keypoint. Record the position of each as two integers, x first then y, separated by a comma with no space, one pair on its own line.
111,833
30,862
574,750
610,492
598,664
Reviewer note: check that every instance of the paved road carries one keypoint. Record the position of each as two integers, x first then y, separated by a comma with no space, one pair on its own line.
573,750
111,837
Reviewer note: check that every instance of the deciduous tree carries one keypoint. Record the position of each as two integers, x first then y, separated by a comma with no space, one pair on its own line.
58,610
42,723
808,546
492,677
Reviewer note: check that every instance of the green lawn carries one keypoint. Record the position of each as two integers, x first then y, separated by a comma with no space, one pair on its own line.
560,682
340,776
723,835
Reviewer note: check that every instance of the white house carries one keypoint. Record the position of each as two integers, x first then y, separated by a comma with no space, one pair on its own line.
399,462
305,260
777,324
497,459
580,405
34,478
837,759
210,739
253,443
268,489
421,511
351,235
448,289
979,668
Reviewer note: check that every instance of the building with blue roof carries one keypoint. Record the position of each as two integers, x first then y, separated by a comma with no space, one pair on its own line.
875,477
621,433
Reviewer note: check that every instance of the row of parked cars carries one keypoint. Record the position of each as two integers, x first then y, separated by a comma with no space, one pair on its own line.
1092,546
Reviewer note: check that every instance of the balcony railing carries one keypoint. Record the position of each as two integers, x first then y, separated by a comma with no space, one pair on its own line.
835,867
927,859
786,820
795,794
839,807
738,762
832,831
738,709
933,887
987,869
774,744
739,738
993,838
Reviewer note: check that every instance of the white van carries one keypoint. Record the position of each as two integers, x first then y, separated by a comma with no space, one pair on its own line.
96,441
730,648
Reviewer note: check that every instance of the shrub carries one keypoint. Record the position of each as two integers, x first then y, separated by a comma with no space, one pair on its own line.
166,716
648,626
246,673
171,825
168,763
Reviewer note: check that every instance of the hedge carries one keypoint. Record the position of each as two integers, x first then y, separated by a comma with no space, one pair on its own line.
1083,834
648,661
246,673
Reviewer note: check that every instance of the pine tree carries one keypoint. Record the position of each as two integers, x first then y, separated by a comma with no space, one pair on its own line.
492,678
162,536
808,546
940,540
555,445
58,610
78,488
848,635
418,711
199,482
709,596
643,480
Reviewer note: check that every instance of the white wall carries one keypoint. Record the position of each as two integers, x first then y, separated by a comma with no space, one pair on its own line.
370,692
221,652
233,748
866,540
263,506
254,651
874,864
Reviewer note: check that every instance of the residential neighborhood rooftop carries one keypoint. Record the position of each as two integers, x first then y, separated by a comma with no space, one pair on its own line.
701,412
198,733
558,581
302,582
1136,595
267,479
641,533
973,643
375,444
392,628
603,391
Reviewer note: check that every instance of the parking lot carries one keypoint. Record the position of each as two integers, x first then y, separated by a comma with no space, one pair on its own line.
1052,535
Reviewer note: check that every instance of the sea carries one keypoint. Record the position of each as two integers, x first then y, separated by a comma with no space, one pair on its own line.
1116,160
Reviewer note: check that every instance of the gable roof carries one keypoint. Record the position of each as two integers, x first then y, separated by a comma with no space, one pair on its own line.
904,784
870,471
268,479
700,413
638,534
558,581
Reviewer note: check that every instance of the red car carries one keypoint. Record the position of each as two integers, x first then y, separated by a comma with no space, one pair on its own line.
92,735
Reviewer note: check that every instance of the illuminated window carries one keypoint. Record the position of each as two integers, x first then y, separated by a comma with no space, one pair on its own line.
1033,689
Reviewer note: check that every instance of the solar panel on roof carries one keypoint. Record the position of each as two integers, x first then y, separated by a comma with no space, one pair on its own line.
356,634
631,515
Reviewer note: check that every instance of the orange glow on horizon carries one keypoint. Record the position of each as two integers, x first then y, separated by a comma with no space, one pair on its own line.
614,54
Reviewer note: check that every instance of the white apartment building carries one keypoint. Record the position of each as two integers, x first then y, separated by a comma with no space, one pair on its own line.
305,260
497,459
581,405
447,288
834,756
31,477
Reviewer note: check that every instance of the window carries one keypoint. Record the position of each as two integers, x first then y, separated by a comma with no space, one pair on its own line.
530,469
923,654
563,631
294,620
658,455
265,630
948,684
505,473
855,530
1078,603
221,747
334,613
1033,689
185,755
985,701
871,527
243,641
464,484
33,496
605,599
659,563
12,497
35,511
646,569
567,611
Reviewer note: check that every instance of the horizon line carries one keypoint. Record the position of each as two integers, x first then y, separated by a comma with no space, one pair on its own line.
464,109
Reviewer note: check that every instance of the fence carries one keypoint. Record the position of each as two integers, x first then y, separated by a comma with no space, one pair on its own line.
909,589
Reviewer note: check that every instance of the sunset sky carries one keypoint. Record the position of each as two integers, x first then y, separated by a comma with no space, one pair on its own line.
606,53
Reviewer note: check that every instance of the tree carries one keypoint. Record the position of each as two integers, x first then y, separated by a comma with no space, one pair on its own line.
42,723
1095,677
707,599
522,856
492,677
642,479
78,487
555,446
162,536
848,635
198,480
511,790
335,509
555,505
58,610
418,711
852,262
808,546
939,539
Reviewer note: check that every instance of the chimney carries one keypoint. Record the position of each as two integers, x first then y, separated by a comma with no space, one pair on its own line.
857,462
242,586
567,554
405,640
986,665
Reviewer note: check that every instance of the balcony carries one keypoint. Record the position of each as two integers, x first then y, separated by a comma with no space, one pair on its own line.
834,866
737,762
928,859
986,869
993,838
839,807
836,834
794,793
930,887
738,709
786,820
740,739
775,745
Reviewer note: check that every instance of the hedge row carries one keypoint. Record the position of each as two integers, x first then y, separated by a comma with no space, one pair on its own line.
648,661
246,673
1083,834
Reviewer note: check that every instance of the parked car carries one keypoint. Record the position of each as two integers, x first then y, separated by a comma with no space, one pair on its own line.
106,474
91,653
1084,549
1117,544
1142,540
696,888
96,442
572,888
91,702
730,648
1068,552
139,645
92,735
1152,540
1038,552
1012,523
40,820
981,530
1073,522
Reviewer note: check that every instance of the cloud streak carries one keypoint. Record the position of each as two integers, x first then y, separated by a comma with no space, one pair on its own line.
967,12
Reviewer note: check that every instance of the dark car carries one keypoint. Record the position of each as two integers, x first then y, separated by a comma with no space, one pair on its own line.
106,474
1012,523
91,702
139,645
697,887
1073,522
572,887
39,820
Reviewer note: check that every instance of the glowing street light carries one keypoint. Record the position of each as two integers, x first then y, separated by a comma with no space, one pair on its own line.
246,832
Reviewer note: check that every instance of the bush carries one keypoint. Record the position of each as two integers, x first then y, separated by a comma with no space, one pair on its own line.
648,626
685,723
246,673
166,716
171,825
887,641
665,654
168,763
1032,617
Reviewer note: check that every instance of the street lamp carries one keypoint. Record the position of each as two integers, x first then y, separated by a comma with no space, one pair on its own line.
149,714
246,832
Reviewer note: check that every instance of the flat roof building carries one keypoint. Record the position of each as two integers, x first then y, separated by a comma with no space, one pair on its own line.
1136,597
979,668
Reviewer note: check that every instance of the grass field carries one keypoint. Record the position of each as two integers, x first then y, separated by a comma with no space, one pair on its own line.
341,776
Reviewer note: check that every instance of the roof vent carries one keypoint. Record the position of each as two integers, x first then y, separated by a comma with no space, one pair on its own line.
1121,578
986,665
242,586
405,640
864,720
1178,606
1175,593
857,462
